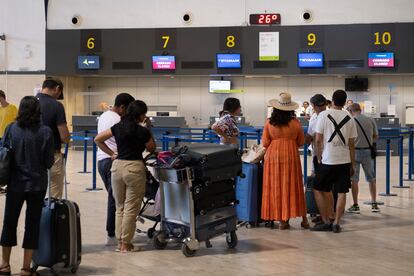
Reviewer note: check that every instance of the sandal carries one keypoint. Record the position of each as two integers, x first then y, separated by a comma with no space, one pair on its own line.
130,248
305,225
284,225
5,270
27,272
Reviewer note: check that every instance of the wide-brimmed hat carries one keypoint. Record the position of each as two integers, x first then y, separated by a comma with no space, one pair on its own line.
284,103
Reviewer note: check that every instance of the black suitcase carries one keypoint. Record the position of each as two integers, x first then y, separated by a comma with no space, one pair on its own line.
216,222
212,195
311,206
213,162
60,239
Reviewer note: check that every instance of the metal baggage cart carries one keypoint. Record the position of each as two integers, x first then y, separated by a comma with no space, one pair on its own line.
179,222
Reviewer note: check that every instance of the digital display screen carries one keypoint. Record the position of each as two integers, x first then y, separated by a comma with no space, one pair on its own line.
163,62
381,60
88,62
264,19
310,60
228,61
219,86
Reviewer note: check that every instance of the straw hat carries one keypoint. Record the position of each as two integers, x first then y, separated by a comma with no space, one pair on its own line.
284,103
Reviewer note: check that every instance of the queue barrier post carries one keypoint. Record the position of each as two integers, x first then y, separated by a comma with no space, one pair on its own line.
94,152
387,170
401,164
410,155
85,153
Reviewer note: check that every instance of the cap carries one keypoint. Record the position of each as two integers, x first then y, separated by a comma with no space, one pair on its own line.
58,82
318,100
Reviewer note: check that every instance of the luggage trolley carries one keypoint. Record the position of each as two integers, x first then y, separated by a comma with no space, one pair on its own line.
180,223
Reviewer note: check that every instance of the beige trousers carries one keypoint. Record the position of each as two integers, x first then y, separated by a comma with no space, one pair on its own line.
128,187
57,175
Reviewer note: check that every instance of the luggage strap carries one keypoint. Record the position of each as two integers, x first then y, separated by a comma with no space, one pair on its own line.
338,128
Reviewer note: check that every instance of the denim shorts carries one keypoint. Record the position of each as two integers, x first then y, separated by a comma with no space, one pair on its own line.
363,157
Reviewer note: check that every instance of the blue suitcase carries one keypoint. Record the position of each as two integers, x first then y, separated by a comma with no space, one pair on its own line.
248,193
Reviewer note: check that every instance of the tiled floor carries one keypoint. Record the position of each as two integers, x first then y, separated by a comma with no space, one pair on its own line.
371,244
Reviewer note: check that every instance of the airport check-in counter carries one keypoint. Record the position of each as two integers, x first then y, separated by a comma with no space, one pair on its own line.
240,120
384,123
80,123
164,124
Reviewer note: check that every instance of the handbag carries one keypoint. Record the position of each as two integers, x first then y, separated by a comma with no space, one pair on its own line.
254,154
372,147
5,157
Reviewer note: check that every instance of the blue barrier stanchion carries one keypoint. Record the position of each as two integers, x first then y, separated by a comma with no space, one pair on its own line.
410,156
387,171
65,158
94,150
259,136
85,153
401,152
305,163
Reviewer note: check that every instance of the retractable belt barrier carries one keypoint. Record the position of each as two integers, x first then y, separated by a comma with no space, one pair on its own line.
175,136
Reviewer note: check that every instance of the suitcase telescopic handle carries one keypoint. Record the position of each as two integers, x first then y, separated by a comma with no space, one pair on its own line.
49,189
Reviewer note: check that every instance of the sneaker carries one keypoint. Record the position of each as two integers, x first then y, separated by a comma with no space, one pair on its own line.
336,228
111,241
354,209
322,227
375,208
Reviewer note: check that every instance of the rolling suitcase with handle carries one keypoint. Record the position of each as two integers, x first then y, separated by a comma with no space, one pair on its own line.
60,235
311,206
248,194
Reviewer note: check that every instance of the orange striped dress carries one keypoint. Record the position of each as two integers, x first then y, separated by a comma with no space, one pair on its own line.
283,191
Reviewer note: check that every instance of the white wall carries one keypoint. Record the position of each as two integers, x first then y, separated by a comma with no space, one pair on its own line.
191,95
23,23
168,13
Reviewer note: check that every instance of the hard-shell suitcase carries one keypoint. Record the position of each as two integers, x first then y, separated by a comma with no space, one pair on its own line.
213,162
311,206
211,195
60,239
248,193
216,222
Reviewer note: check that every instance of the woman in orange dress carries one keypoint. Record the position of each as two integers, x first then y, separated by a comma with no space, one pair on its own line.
283,190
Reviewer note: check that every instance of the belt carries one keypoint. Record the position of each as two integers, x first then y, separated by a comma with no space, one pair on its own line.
363,148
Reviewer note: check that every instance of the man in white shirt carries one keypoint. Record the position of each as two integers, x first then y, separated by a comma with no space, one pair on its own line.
335,141
107,120
319,104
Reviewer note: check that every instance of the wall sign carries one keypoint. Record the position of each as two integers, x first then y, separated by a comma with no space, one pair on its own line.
90,41
88,62
269,46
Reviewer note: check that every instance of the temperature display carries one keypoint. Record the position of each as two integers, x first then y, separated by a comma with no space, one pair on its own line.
265,19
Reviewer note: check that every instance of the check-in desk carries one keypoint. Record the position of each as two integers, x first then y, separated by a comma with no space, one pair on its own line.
80,123
240,120
167,125
386,126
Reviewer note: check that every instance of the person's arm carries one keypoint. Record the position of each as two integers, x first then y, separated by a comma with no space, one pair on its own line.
100,142
219,131
351,143
376,134
150,145
62,125
49,149
266,140
64,133
308,139
319,146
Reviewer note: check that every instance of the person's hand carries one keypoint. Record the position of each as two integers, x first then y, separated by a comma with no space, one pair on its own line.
114,156
352,171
